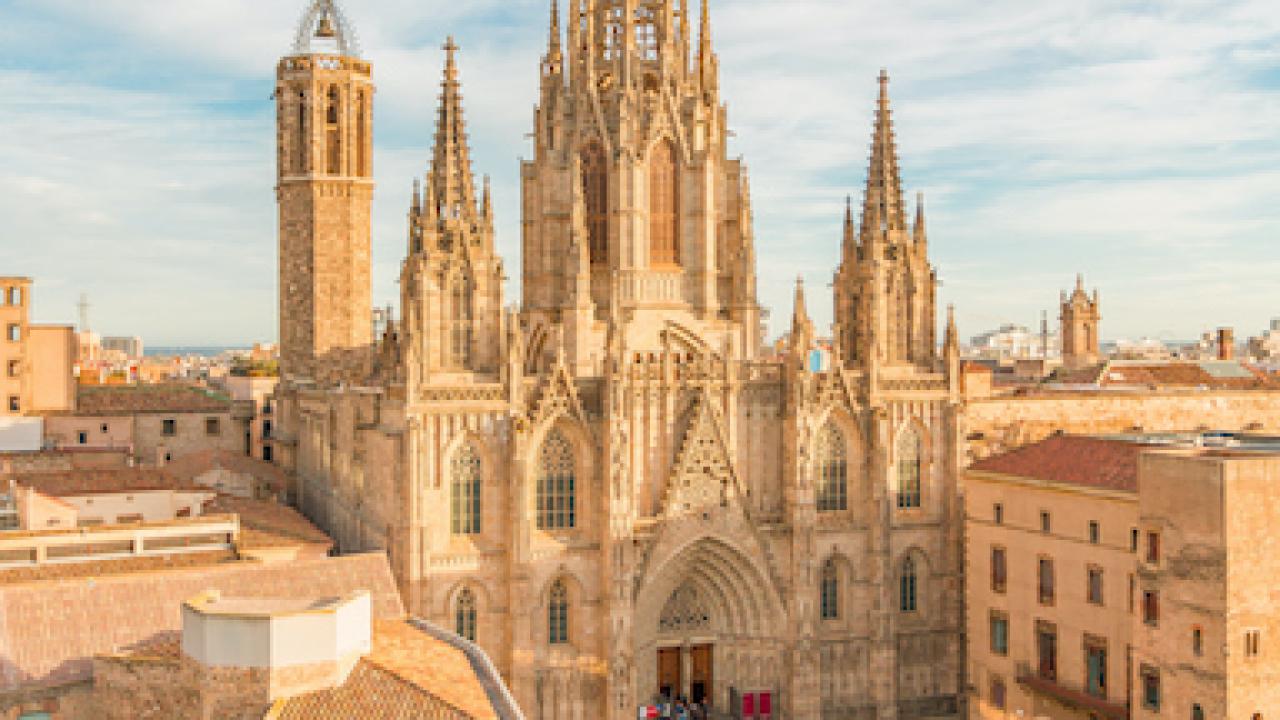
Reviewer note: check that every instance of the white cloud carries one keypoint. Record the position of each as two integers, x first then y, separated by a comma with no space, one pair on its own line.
1129,139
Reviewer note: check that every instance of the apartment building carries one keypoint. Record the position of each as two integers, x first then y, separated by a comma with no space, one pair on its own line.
1114,578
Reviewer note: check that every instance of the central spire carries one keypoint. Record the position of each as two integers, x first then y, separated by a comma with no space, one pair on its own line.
883,198
453,188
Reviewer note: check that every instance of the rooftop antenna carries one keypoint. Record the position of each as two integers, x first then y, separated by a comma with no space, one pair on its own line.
83,305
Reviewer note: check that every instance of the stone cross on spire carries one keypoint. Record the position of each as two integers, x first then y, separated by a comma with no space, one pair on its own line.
451,181
884,182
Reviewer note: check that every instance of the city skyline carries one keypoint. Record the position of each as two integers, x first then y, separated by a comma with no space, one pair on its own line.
1132,144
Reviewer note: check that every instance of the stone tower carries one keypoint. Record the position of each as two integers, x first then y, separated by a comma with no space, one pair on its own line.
885,288
324,131
631,198
1080,327
451,280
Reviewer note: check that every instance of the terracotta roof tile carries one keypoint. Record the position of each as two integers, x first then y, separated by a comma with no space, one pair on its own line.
89,481
114,566
1073,460
193,465
135,399
50,631
266,523
407,674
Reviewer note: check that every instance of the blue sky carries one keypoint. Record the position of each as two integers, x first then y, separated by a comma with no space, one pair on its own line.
1137,142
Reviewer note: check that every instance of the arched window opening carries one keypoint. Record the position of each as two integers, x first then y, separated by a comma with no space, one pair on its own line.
464,615
558,614
830,590
300,157
613,33
833,470
333,139
909,469
362,153
465,491
460,318
595,193
646,33
907,601
557,499
664,242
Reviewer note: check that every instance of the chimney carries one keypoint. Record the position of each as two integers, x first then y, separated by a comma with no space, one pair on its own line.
1226,344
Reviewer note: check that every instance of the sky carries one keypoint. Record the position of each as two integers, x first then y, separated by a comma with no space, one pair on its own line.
1134,141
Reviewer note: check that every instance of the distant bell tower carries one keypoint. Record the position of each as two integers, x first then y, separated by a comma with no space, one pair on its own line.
1080,319
324,138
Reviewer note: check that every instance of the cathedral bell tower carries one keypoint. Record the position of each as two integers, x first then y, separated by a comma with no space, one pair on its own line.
1080,317
324,138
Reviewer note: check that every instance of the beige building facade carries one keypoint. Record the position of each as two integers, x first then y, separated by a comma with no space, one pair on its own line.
608,488
1117,578
36,361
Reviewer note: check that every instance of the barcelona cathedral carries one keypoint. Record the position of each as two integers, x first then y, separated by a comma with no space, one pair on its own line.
610,485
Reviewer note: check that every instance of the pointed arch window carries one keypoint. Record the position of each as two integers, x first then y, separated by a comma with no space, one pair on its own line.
830,590
460,318
595,194
464,486
464,614
557,491
909,469
333,141
908,586
300,159
558,614
362,154
646,30
832,482
664,241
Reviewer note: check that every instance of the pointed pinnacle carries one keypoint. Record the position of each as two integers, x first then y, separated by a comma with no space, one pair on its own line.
704,34
554,39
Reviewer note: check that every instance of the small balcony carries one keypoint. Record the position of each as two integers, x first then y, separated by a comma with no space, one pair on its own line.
1071,697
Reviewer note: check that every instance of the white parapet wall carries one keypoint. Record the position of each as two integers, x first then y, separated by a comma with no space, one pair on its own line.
21,434
305,643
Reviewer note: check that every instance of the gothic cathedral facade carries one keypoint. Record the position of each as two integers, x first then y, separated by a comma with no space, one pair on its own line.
611,487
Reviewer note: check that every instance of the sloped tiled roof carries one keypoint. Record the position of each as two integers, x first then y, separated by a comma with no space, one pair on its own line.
1073,460
50,631
1218,375
193,465
90,481
113,566
407,674
136,399
266,523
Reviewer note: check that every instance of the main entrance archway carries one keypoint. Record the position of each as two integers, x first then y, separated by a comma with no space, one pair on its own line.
708,623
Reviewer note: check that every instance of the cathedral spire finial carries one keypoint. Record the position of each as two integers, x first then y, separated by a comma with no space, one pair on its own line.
884,181
553,39
918,231
451,180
